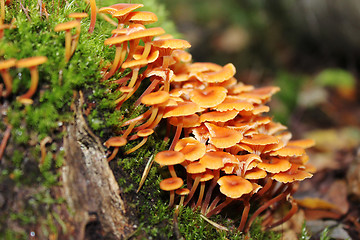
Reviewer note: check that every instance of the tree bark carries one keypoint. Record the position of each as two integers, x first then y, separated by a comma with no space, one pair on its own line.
89,186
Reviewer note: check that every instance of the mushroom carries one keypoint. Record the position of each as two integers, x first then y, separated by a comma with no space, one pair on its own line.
93,15
183,192
206,176
208,97
32,63
225,73
4,71
115,142
232,187
170,158
223,137
171,184
216,116
120,42
78,16
67,26
145,133
191,148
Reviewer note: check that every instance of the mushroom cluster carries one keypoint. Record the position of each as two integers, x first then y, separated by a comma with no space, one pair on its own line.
225,149
32,63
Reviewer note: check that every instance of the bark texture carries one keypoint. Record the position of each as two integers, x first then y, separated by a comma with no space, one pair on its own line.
89,186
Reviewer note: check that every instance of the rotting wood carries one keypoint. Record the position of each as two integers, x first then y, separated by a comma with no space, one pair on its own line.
89,186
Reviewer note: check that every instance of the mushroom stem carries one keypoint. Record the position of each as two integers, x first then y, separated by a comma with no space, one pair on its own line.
177,134
172,171
143,141
129,129
214,203
113,154
245,215
7,81
34,83
219,207
166,61
266,205
263,190
68,42
137,119
193,189
93,15
119,58
6,137
293,210
147,91
147,48
172,197
209,191
158,118
202,190
177,210
135,74
2,11
154,113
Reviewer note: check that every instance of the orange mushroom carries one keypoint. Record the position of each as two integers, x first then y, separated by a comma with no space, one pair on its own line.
170,158
78,16
208,97
222,137
115,142
32,63
145,133
171,184
4,71
67,26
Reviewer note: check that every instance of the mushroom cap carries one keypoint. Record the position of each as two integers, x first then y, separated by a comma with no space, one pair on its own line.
288,151
304,143
255,173
216,160
218,116
155,98
198,67
192,120
31,62
292,175
66,25
227,72
208,97
205,176
149,32
234,186
141,17
171,184
182,109
115,142
171,43
129,30
222,137
142,61
169,158
231,103
182,191
78,15
260,139
195,167
145,132
191,148
125,8
182,56
5,64
274,165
